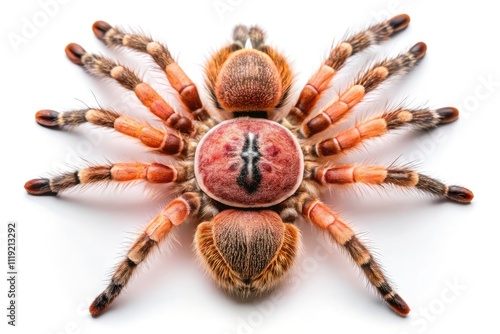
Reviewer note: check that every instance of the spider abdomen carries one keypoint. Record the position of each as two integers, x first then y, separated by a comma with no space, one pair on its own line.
248,162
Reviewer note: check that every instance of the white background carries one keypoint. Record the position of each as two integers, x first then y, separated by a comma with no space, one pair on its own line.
441,255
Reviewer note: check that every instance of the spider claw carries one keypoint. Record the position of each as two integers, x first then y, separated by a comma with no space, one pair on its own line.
399,22
398,305
102,302
99,305
419,50
447,115
459,194
75,52
47,118
100,29
39,187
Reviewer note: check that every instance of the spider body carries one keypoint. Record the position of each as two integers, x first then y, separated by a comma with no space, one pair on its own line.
246,177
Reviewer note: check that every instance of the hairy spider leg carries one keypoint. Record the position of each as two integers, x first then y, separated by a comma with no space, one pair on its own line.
103,67
172,215
398,176
117,172
399,118
340,107
188,93
323,217
168,143
337,57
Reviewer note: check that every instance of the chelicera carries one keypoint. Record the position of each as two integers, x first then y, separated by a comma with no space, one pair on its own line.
244,171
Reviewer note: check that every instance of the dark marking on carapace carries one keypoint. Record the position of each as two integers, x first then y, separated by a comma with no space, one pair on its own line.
250,176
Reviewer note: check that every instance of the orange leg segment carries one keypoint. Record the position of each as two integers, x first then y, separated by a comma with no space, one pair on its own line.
149,136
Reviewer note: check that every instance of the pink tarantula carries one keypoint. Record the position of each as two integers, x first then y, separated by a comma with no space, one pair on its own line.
248,177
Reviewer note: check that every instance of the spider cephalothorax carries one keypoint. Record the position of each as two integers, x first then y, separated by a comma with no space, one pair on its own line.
249,163
247,179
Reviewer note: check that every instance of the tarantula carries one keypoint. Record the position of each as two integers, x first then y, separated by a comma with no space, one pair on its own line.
247,173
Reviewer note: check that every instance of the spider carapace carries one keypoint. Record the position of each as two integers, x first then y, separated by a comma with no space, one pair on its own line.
251,167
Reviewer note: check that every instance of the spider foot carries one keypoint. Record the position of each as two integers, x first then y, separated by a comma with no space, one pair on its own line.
47,118
459,194
100,28
75,53
447,115
39,187
398,305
